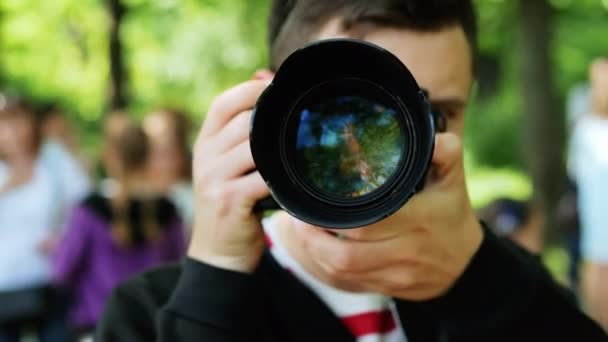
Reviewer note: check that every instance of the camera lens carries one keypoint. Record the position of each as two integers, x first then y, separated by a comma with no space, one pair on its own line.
348,146
349,141
342,141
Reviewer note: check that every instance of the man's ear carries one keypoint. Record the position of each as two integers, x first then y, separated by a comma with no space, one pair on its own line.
263,74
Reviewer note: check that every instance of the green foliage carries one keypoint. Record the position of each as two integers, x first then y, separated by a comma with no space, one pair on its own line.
178,53
494,123
55,50
181,53
486,184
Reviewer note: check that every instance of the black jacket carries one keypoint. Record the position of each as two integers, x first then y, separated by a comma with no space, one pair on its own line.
504,295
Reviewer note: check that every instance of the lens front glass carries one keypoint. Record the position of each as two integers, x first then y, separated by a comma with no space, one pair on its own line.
348,146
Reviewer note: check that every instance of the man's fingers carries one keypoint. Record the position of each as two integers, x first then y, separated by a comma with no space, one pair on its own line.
235,162
235,100
253,188
263,74
447,158
341,256
234,133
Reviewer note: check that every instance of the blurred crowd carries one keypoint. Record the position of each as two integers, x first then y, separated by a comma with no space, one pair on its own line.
67,236
582,211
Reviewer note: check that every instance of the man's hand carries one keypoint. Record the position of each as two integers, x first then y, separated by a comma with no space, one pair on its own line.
226,232
416,254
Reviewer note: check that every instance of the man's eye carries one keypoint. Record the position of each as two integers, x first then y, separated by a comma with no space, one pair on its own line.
448,113
441,119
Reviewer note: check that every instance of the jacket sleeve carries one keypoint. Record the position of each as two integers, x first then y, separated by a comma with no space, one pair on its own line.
506,294
131,310
68,256
208,304
125,318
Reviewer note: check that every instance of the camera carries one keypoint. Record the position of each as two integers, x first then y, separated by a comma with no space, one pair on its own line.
343,136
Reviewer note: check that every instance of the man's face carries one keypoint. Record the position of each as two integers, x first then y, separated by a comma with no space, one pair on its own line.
440,61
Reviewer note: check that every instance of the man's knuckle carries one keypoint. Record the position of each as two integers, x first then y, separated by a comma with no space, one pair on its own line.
217,195
405,282
333,273
223,203
204,176
243,119
344,262
217,105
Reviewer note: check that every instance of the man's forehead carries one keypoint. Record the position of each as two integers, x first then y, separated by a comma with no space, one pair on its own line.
441,61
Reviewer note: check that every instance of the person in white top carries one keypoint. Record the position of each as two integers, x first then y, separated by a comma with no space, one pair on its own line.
169,165
589,164
39,182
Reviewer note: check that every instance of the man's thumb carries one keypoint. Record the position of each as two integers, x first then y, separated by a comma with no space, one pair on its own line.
447,156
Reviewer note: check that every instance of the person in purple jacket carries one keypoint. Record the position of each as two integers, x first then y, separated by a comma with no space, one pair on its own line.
113,235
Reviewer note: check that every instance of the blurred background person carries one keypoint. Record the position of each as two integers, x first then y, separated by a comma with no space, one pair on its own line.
55,127
109,163
589,162
569,221
58,130
516,220
38,184
110,238
578,105
169,166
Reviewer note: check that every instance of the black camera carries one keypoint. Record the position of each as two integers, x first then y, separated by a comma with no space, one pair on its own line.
343,136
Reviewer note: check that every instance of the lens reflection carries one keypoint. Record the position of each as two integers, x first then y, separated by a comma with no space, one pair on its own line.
348,146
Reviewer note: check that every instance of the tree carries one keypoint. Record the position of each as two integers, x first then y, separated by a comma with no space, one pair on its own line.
2,80
118,98
544,137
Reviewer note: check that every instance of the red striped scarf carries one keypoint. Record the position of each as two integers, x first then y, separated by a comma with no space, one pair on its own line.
369,317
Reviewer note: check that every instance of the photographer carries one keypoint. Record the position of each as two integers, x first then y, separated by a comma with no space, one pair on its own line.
430,272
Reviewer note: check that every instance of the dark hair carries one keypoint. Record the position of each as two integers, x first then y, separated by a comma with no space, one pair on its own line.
181,131
139,220
21,108
133,218
292,23
135,222
132,147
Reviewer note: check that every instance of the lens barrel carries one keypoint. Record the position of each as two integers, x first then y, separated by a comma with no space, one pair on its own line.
343,136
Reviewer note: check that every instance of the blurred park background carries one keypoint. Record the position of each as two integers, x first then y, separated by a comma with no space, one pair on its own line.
88,57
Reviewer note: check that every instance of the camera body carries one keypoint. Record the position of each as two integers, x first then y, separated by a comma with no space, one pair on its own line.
343,136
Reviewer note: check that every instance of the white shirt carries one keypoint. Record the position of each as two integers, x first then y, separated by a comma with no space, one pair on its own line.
589,165
182,195
358,311
31,212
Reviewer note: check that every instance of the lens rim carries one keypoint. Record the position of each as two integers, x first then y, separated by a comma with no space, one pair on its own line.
331,89
302,70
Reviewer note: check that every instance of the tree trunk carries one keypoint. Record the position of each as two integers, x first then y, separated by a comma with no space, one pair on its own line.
118,97
543,119
2,80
